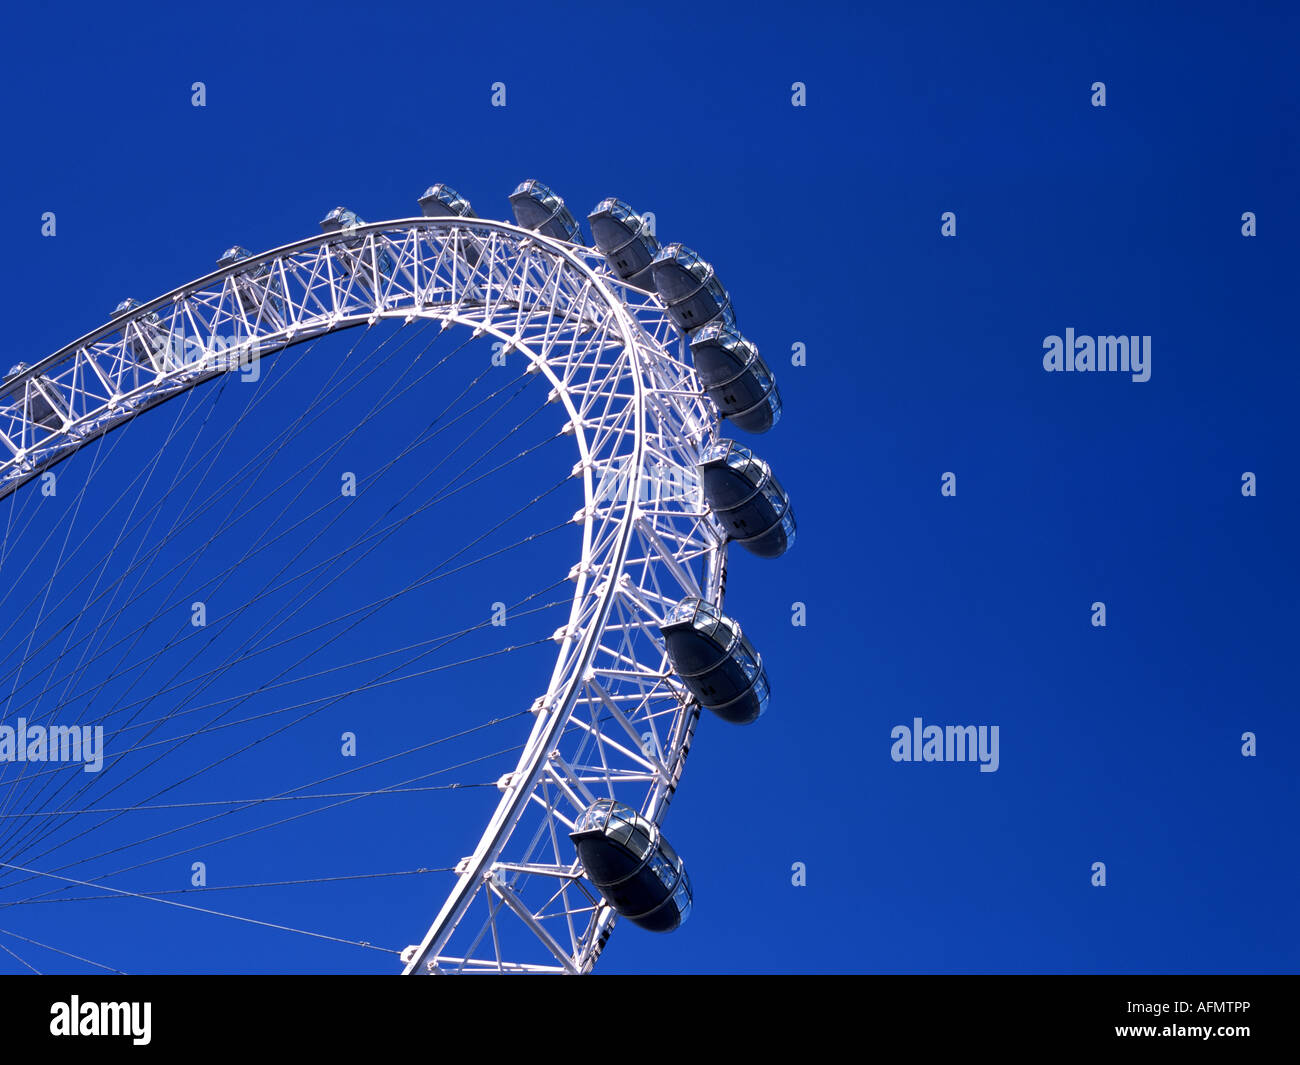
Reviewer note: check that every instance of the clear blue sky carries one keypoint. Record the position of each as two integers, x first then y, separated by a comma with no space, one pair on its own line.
1119,744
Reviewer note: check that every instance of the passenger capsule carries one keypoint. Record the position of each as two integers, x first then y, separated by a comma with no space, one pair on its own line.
716,661
146,339
252,285
630,863
691,292
747,500
624,238
37,398
536,207
736,378
236,254
341,219
442,201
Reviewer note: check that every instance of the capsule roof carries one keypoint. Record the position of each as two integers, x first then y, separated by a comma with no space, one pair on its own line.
747,499
340,218
237,253
442,201
129,304
616,210
689,260
537,207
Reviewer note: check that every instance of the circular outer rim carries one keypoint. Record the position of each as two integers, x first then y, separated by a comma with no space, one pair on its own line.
321,285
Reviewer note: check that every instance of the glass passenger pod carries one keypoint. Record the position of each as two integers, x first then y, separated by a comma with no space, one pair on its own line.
747,500
693,296
632,866
146,338
252,286
736,378
37,399
538,208
624,238
442,201
716,661
341,219
236,254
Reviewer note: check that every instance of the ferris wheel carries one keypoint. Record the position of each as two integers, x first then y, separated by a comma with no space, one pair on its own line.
631,346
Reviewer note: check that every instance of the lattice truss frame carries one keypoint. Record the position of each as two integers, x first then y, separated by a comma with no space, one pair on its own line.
613,721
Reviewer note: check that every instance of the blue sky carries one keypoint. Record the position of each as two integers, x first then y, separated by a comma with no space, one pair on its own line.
1119,744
